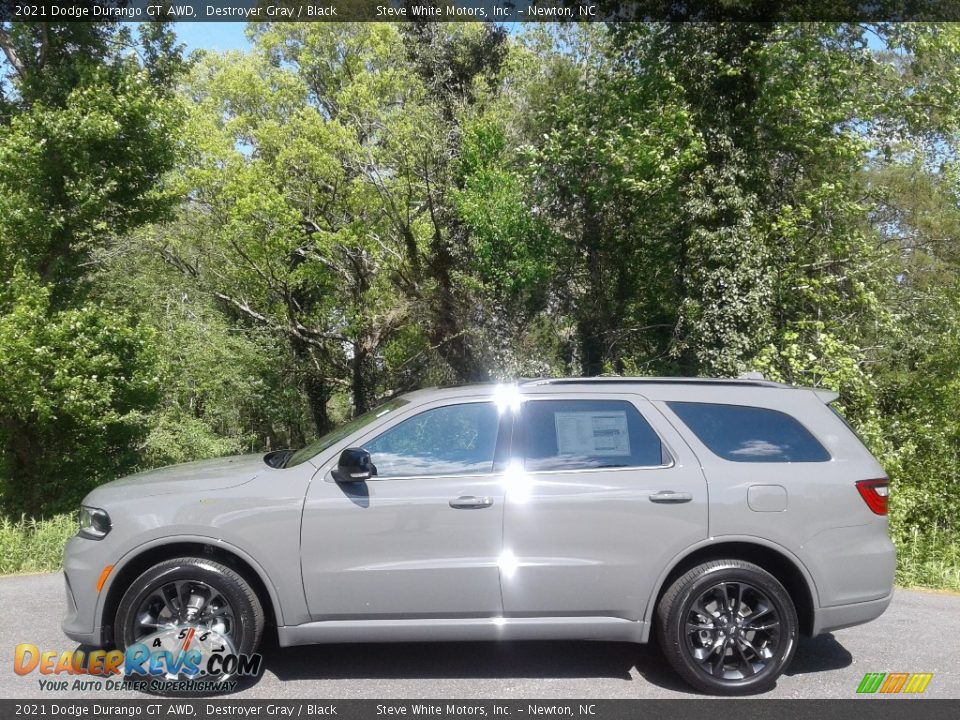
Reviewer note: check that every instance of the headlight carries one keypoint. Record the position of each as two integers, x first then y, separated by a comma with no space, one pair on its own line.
94,522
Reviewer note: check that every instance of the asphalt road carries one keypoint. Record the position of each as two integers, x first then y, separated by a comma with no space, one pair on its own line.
918,633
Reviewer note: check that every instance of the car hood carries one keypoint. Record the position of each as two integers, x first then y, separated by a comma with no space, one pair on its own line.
199,476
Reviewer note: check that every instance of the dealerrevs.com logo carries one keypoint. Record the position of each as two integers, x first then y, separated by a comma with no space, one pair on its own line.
894,683
175,659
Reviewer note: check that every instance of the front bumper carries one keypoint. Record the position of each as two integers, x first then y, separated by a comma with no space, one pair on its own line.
84,561
843,616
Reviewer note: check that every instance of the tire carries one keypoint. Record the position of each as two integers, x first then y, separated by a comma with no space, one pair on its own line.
739,650
206,581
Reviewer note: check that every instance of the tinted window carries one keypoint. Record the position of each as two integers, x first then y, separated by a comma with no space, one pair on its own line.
750,434
451,440
579,434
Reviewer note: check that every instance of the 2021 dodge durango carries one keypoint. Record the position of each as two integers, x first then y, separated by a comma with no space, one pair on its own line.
726,516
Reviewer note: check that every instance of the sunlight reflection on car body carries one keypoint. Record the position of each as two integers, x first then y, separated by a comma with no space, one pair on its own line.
517,483
507,396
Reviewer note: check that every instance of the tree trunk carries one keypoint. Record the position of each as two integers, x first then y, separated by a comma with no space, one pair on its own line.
318,395
360,377
449,331
591,348
455,348
592,323
315,387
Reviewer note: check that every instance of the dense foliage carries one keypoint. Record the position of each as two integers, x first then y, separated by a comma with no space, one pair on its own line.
86,136
236,252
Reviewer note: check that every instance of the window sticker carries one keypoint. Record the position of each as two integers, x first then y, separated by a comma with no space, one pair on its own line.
592,433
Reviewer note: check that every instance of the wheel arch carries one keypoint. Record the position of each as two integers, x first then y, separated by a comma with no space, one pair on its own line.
776,560
138,560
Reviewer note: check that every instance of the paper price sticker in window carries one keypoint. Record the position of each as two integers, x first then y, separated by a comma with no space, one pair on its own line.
592,433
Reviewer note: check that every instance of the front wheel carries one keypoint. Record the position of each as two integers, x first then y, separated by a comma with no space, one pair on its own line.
728,627
191,604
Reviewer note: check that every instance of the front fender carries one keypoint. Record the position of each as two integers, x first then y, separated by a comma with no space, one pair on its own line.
187,539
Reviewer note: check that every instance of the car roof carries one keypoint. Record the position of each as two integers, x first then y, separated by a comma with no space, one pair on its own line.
654,386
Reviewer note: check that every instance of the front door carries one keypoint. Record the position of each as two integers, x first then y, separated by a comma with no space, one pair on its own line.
423,537
602,493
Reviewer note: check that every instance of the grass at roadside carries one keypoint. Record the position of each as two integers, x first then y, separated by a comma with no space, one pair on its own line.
29,545
928,560
26,546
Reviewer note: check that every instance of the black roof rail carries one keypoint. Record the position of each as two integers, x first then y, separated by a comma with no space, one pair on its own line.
608,380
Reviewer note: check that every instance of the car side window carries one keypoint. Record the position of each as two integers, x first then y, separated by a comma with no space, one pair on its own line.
450,440
742,433
587,434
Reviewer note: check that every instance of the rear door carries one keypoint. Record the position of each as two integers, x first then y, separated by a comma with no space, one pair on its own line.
601,494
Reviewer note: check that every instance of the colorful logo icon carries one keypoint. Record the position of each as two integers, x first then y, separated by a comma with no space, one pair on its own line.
892,683
176,653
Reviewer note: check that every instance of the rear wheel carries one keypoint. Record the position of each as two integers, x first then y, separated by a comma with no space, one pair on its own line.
728,627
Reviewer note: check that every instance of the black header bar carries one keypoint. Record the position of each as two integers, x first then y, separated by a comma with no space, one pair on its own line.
224,708
505,11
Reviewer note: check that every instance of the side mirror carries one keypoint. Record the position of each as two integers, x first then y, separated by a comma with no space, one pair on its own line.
354,465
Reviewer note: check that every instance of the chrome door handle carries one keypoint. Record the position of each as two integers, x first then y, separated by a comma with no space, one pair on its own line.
468,502
670,496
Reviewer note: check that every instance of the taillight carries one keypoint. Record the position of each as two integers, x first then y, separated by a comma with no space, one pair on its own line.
874,494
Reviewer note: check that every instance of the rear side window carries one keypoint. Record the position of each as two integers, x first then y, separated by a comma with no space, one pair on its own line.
585,434
750,434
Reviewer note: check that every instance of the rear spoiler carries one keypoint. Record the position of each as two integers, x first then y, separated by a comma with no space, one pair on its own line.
827,396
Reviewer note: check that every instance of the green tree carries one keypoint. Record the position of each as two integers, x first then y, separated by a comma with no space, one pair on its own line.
84,142
225,389
610,142
74,386
322,200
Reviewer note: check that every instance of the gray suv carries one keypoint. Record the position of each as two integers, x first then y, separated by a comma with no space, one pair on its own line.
726,516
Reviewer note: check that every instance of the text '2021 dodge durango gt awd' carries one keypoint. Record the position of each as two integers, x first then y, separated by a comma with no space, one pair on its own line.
726,516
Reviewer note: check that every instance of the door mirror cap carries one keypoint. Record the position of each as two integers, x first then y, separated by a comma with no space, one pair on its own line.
354,465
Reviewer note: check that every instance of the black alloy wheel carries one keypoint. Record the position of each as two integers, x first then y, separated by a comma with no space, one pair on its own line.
728,627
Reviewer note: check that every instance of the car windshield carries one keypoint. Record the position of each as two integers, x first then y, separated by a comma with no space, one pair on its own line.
338,434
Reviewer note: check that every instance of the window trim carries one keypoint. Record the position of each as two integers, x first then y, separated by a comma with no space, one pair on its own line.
803,426
620,468
519,428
